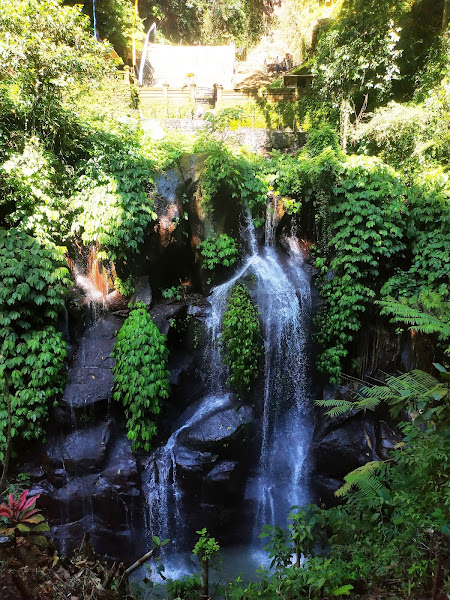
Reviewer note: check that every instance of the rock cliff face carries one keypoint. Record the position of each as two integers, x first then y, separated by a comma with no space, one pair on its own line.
89,479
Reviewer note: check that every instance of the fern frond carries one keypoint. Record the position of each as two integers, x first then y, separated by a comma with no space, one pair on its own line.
363,478
337,407
415,383
368,403
426,317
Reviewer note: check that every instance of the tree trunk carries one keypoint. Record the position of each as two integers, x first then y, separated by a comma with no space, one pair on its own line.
8,439
205,579
445,16
345,122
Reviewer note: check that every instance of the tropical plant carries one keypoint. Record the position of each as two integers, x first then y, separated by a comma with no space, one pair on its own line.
115,21
173,293
367,214
34,283
428,313
419,392
241,339
320,139
140,374
206,549
22,521
112,202
218,251
186,588
358,53
45,47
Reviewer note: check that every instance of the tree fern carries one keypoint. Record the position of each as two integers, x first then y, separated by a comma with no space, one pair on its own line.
337,407
429,314
420,393
364,479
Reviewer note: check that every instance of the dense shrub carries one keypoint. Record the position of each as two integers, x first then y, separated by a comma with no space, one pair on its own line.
241,340
140,375
34,282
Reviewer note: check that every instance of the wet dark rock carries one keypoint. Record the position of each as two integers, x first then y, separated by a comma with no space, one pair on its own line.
89,387
73,501
223,471
68,536
91,380
180,366
162,314
117,490
82,451
115,301
198,306
225,482
142,291
323,489
343,449
192,464
224,430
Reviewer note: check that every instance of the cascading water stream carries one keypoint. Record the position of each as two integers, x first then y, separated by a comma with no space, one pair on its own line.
164,499
282,292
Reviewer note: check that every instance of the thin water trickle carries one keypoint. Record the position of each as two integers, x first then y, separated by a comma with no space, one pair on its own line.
166,518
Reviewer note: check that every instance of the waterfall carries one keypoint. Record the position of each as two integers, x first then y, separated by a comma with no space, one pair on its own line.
284,301
282,294
165,496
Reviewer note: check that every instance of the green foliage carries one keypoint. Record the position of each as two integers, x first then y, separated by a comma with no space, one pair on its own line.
394,524
435,68
320,139
229,20
186,588
173,293
45,47
391,535
16,485
367,215
314,112
428,313
112,201
241,339
206,547
232,174
140,374
27,192
358,54
418,392
279,548
218,251
299,539
364,478
124,287
114,22
394,134
34,282
221,121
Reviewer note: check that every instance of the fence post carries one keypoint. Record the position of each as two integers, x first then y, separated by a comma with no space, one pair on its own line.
218,95
126,74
